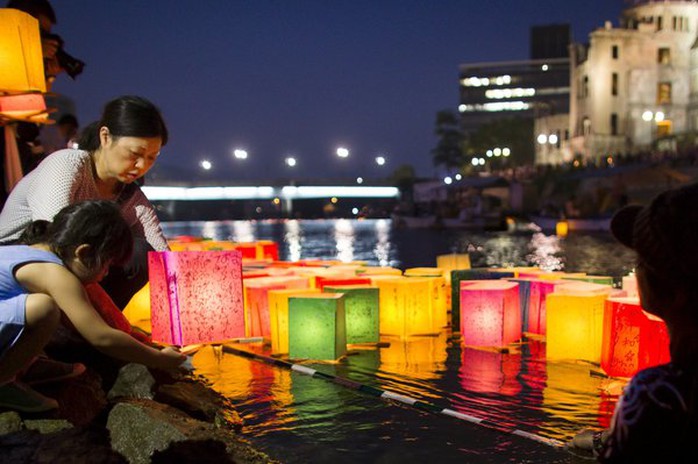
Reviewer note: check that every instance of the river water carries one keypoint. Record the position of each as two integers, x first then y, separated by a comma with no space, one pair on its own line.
296,418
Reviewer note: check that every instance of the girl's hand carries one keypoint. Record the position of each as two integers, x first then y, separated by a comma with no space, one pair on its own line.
171,357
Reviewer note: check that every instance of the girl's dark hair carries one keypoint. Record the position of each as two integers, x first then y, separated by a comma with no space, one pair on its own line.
127,116
97,223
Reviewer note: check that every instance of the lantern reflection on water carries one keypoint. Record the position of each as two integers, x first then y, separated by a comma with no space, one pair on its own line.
278,316
317,327
632,338
361,309
416,357
490,313
196,297
490,372
575,321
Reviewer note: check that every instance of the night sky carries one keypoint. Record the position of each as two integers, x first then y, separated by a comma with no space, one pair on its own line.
297,77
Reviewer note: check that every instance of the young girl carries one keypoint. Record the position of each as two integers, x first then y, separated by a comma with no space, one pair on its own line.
40,281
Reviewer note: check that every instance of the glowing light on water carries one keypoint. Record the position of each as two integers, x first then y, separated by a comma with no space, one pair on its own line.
344,237
243,231
545,252
382,249
293,239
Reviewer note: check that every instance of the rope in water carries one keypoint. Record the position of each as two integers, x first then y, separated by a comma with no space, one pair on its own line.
386,394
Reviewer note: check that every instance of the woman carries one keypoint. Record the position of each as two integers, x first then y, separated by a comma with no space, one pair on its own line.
114,152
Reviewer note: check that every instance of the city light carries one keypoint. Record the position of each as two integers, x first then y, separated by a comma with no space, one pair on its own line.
342,152
506,151
552,139
239,153
359,180
290,161
355,211
380,160
448,180
458,177
542,139
206,165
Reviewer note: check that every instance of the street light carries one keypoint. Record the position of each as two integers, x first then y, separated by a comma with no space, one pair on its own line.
206,165
380,160
290,161
239,153
342,152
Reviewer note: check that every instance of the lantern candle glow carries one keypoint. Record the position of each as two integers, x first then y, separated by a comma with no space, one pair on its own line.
316,326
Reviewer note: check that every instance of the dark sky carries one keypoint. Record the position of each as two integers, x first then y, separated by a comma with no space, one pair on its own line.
298,77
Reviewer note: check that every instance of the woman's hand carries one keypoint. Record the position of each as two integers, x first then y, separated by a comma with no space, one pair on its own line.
171,357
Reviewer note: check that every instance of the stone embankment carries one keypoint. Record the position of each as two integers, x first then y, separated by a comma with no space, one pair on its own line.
145,416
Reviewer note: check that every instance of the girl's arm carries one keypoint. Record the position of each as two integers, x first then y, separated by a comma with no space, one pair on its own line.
70,296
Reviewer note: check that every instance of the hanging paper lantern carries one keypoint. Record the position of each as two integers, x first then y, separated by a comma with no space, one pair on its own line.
196,297
278,316
575,321
22,61
27,107
632,339
470,274
361,308
490,313
316,326
406,306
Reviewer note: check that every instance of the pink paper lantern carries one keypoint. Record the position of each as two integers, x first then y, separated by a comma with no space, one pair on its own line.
196,296
490,314
632,339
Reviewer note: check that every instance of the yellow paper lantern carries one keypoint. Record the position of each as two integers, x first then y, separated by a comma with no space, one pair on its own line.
138,309
22,68
575,321
440,291
452,262
562,228
278,315
372,271
406,306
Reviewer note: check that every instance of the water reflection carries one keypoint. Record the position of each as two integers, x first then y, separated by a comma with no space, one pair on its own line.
519,389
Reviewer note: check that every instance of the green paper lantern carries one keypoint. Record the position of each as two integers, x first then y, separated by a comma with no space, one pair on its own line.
361,307
316,326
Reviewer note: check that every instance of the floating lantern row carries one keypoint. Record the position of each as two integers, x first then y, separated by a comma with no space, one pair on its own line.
316,326
264,250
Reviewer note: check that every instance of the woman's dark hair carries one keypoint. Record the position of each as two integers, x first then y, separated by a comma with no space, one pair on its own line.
127,116
97,223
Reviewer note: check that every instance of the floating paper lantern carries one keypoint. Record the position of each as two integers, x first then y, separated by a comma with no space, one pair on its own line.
485,371
257,322
632,339
196,297
361,308
322,282
550,275
575,321
268,250
470,274
278,316
630,285
490,313
316,326
406,306
371,271
138,309
453,261
22,67
594,279
562,228
533,293
439,292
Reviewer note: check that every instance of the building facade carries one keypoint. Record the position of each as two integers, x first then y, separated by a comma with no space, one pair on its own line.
632,88
533,88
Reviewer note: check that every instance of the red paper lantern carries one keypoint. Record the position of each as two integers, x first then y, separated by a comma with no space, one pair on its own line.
632,339
196,296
